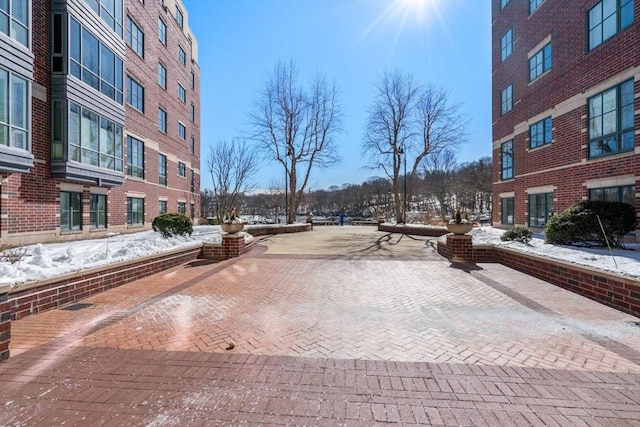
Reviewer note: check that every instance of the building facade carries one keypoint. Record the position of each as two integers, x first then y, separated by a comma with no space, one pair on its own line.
99,117
566,106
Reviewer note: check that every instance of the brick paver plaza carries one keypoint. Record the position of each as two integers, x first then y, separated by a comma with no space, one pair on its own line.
338,326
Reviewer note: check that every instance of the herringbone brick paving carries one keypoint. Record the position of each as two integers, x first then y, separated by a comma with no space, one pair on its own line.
353,339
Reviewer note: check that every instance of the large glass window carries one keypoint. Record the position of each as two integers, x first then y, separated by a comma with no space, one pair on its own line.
607,18
162,169
533,5
14,20
540,133
179,17
135,211
507,210
98,211
506,44
135,157
70,211
162,207
94,64
162,31
182,131
94,140
162,76
182,55
162,120
14,107
182,208
135,94
540,209
611,116
182,93
182,169
506,100
625,194
193,80
506,157
540,62
192,113
110,11
192,145
135,37
193,181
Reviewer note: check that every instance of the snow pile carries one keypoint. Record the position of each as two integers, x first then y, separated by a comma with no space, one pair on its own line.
43,261
621,261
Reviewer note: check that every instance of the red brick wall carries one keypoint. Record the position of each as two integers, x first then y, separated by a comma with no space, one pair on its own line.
5,323
574,70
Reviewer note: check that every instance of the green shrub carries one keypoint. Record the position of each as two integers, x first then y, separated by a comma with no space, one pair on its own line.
518,234
172,224
579,225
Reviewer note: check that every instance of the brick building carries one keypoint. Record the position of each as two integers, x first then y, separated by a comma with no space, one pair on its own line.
99,117
566,121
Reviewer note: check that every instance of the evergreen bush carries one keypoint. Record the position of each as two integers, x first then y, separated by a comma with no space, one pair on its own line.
579,225
518,234
172,224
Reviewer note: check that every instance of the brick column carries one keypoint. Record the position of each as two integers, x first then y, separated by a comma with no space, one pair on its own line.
460,247
232,244
5,322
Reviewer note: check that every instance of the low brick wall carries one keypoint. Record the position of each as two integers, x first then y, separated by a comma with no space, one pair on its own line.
5,322
47,294
614,290
265,230
416,231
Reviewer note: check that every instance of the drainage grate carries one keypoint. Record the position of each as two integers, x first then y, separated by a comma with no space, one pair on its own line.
76,307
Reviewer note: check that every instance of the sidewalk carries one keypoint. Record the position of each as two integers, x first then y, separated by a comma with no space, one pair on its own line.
339,326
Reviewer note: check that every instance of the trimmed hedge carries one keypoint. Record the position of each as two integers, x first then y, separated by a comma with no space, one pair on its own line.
519,234
172,224
579,225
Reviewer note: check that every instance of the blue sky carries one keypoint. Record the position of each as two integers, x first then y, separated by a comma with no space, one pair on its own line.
442,42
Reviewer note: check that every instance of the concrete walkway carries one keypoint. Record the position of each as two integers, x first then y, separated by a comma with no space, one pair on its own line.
339,326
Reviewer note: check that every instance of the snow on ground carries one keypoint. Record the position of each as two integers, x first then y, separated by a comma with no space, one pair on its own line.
43,261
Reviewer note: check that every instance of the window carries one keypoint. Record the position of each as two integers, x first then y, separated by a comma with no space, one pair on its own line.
182,169
135,157
70,211
14,107
182,55
506,100
192,113
193,181
94,140
98,211
182,93
540,209
503,3
507,210
135,94
162,120
192,210
192,145
607,18
533,5
162,207
14,20
611,118
135,37
182,131
540,133
506,156
182,208
110,11
179,17
193,80
625,194
162,76
506,44
162,169
94,63
135,211
162,31
540,62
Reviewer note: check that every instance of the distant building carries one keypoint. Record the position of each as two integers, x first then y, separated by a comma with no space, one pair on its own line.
566,103
99,117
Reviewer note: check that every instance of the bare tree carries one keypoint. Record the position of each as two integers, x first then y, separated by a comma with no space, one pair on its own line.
407,123
439,178
296,127
231,165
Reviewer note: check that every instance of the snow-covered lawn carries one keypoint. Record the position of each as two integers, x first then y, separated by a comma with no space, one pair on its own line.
50,260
